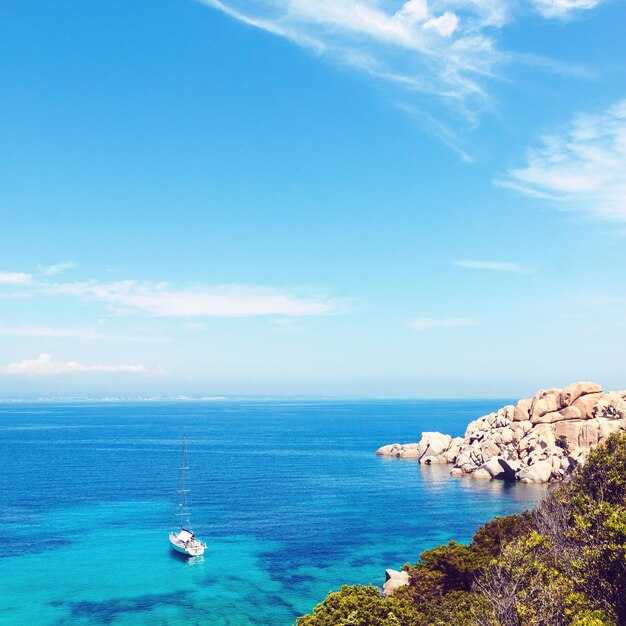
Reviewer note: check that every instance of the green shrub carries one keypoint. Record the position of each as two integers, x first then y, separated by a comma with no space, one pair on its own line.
361,606
563,565
491,538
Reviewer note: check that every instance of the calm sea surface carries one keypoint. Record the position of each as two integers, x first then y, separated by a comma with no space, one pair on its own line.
289,496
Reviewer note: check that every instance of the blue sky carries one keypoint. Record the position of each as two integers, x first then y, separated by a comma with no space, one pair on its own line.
356,197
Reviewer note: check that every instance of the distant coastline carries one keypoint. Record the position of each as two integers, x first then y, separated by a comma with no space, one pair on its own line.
108,399
234,398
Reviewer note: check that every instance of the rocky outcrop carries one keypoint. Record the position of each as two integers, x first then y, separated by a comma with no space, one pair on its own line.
433,448
394,580
537,440
405,451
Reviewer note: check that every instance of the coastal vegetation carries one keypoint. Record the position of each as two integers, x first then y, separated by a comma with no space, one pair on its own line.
563,564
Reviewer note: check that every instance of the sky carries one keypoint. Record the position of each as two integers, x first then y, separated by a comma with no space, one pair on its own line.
362,198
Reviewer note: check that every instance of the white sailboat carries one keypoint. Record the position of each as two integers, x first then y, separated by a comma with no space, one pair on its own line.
183,540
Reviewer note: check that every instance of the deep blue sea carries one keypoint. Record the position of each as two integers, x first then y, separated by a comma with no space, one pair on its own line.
289,496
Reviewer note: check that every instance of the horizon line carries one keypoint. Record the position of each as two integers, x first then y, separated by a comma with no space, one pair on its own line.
236,398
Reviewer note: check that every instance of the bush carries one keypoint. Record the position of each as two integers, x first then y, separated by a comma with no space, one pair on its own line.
361,606
563,565
603,477
491,538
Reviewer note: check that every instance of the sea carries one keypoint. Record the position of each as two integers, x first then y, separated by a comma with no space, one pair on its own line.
289,496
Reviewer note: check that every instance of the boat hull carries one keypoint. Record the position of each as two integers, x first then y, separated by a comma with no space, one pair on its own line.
196,548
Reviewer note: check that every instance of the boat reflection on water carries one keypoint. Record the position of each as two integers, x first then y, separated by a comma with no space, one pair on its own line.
187,561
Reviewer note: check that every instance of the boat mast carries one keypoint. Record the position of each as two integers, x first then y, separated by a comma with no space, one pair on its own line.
184,511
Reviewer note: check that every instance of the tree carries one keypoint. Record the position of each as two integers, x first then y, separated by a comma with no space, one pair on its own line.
362,606
523,587
585,522
562,565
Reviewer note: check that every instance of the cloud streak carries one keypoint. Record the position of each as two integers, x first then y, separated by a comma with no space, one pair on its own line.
43,365
581,167
563,8
57,268
27,330
15,278
436,48
494,266
429,323
442,47
162,300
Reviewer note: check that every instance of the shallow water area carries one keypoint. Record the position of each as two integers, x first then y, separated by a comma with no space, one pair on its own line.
289,496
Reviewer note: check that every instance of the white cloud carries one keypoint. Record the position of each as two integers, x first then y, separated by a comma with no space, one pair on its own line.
496,266
27,330
15,278
439,47
161,300
582,167
428,323
563,8
57,268
445,24
442,47
43,365
433,126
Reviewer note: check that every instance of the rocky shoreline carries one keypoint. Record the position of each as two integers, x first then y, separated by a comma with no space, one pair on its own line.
540,439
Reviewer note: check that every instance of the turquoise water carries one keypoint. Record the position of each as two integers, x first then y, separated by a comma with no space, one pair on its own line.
289,496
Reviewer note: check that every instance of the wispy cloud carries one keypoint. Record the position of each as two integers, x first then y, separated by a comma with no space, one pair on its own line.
438,129
444,47
163,300
429,323
439,47
57,268
581,167
43,365
94,332
15,278
494,266
599,301
27,330
564,8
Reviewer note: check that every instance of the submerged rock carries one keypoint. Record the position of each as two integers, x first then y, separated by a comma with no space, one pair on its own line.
393,449
403,450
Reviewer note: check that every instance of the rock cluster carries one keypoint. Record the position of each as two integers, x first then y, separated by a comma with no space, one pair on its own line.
538,440
432,448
